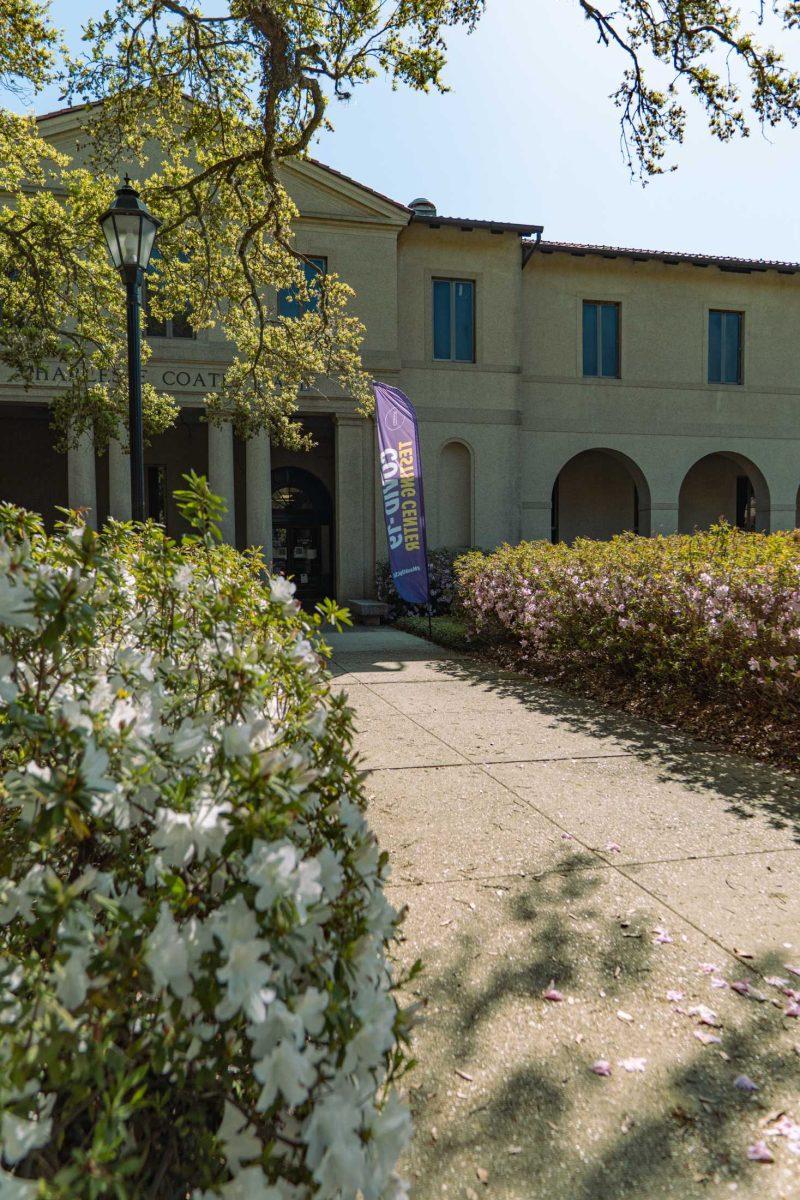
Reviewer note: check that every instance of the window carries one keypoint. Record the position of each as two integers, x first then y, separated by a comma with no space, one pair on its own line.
454,320
176,326
601,339
725,346
288,303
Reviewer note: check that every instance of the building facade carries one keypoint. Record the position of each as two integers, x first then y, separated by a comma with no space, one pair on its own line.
562,390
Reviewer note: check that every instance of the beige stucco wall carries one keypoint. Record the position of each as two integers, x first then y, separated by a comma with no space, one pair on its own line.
662,413
523,410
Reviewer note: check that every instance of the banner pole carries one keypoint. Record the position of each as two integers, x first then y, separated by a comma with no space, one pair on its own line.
430,625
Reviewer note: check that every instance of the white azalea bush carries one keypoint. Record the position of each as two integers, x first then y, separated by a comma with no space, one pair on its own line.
196,995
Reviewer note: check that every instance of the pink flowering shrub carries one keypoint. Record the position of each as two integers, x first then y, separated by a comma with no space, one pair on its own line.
703,629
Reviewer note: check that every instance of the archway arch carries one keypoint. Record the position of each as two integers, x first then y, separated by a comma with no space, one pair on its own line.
454,497
725,486
302,531
599,493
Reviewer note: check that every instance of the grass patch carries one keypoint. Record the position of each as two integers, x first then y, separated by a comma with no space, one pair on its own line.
446,631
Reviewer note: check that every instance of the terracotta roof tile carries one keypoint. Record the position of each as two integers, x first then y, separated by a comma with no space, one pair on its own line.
723,261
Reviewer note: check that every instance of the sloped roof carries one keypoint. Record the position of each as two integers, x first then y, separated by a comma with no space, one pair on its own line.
469,223
670,257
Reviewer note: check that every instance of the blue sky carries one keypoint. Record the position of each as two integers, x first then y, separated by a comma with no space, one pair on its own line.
527,133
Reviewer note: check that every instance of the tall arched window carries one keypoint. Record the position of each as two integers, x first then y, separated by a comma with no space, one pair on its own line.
455,495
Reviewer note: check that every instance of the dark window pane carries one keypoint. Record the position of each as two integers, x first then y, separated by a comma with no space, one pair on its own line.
465,310
731,343
715,346
154,327
288,302
609,318
181,326
589,338
441,319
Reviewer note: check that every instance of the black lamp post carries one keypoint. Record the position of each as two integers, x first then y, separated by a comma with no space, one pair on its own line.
130,230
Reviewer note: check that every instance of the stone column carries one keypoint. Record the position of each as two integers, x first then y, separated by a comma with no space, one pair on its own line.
259,494
783,516
220,475
536,520
663,517
119,482
351,510
81,483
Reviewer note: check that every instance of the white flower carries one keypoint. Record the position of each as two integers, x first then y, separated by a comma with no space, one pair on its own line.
167,955
275,869
181,578
331,875
20,1135
184,836
317,721
8,689
245,977
281,590
72,980
239,1140
16,604
234,922
342,1170
188,739
75,717
251,1184
271,867
247,737
13,1188
303,651
286,1070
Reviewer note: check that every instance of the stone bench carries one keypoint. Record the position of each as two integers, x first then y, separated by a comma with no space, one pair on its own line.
368,612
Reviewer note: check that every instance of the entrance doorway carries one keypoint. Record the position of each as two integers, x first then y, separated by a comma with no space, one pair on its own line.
302,531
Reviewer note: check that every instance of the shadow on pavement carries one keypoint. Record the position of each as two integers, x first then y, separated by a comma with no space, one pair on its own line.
747,786
542,1125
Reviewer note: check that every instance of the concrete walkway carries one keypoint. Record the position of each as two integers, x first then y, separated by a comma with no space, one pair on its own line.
541,841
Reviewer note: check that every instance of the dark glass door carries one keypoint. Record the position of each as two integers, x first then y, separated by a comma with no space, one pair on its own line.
302,531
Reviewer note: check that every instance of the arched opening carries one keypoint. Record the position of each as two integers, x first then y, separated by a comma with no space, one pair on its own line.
454,505
597,494
723,486
302,531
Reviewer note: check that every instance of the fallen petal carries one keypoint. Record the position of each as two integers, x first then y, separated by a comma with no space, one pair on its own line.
793,1010
707,1039
672,994
601,1067
791,969
708,968
760,1152
624,1016
614,847
553,994
718,983
776,981
662,937
705,1015
745,1084
633,1064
